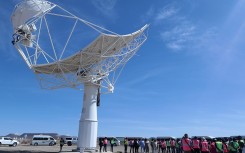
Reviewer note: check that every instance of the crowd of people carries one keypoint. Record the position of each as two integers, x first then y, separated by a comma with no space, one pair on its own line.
104,142
184,145
179,145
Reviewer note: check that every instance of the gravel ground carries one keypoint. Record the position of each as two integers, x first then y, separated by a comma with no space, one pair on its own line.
34,149
45,149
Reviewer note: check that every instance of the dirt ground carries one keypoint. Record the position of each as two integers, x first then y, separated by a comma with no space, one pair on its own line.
46,149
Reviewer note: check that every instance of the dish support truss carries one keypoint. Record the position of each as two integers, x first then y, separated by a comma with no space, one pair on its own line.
58,67
57,64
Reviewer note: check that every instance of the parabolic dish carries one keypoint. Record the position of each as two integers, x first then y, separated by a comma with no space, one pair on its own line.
64,50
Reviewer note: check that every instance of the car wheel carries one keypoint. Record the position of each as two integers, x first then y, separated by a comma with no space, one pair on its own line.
69,143
51,144
35,144
14,144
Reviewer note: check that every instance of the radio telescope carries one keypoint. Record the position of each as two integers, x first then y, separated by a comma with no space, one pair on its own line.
64,50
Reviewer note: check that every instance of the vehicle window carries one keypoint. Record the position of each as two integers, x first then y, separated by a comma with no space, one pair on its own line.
51,138
68,139
6,138
37,138
45,138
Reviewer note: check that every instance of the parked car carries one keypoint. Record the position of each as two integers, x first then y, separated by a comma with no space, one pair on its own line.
70,140
8,141
43,140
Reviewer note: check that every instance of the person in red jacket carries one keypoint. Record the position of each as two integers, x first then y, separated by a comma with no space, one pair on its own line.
105,141
172,145
213,147
204,146
196,145
186,144
225,147
163,145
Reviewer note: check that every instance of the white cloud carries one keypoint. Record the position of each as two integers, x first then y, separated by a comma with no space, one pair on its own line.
179,32
177,37
106,7
159,15
174,46
165,13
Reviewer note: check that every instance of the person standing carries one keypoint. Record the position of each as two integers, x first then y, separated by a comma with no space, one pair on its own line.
168,145
241,144
196,145
147,145
152,143
177,145
204,146
186,144
172,145
142,146
126,145
62,142
105,142
136,145
213,147
163,146
233,146
101,143
225,147
159,145
112,142
219,146
154,146
131,145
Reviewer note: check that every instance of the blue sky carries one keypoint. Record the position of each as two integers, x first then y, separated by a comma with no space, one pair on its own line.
187,78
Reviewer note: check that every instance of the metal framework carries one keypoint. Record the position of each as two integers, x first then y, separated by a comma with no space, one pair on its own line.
56,62
64,50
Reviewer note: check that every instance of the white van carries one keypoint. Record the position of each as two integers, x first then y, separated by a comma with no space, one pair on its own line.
39,140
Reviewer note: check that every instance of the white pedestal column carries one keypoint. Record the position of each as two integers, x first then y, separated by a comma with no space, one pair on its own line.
88,125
